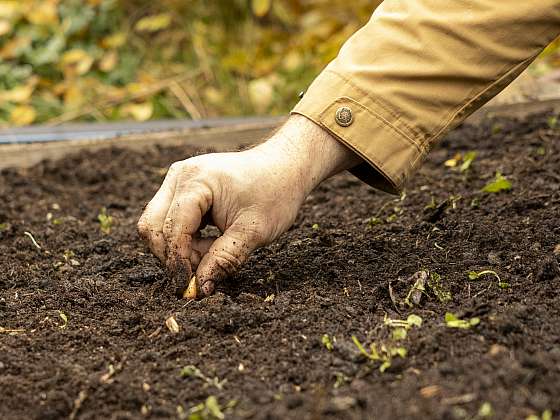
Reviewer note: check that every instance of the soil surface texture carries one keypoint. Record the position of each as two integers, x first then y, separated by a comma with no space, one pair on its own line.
83,313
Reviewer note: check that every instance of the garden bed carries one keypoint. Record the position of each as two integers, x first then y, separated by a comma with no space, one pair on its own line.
83,316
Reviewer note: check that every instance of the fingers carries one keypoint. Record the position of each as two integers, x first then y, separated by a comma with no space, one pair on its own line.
226,256
200,247
182,221
150,225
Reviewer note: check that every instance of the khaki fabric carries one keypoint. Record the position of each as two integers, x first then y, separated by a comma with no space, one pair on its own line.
417,69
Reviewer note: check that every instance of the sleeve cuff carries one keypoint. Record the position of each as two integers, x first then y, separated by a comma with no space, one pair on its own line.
375,133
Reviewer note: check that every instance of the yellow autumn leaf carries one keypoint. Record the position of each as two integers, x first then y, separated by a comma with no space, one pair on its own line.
114,41
5,27
19,94
135,88
153,23
260,7
9,9
14,47
23,115
292,60
108,61
76,61
44,12
140,112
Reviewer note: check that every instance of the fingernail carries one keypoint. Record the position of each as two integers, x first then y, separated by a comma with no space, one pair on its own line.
207,288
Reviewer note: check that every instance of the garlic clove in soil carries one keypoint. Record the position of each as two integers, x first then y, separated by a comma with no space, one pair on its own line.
192,289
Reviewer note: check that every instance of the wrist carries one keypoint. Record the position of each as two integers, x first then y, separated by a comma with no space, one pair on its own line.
310,151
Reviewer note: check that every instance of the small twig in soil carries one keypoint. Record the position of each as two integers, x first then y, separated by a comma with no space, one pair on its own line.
108,378
11,330
460,399
155,333
78,404
32,239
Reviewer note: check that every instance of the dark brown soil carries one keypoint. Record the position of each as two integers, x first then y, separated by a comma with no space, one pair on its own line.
115,358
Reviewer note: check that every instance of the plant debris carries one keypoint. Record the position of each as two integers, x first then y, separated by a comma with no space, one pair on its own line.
473,275
384,354
64,318
415,293
452,321
172,325
192,371
30,236
11,330
209,410
436,286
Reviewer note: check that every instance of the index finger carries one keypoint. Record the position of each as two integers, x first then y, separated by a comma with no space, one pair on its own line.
182,221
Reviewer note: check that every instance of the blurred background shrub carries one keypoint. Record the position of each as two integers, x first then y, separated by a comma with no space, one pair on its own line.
100,60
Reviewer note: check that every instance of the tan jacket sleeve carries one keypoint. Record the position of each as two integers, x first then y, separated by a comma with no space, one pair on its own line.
416,70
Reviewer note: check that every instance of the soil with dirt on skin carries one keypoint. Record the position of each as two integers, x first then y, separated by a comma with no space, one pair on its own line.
261,334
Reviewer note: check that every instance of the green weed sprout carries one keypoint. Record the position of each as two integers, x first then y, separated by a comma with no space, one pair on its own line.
500,183
105,221
467,161
452,321
326,340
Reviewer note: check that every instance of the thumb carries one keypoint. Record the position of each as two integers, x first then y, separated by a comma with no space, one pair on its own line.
226,256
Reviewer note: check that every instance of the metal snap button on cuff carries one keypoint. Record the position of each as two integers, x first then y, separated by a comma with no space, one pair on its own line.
344,116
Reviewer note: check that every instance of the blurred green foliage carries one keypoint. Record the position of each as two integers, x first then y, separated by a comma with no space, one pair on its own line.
65,60
98,60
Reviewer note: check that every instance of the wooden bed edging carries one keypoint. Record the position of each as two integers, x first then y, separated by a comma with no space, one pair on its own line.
215,134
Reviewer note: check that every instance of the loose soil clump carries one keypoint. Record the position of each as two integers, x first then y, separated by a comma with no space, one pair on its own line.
85,314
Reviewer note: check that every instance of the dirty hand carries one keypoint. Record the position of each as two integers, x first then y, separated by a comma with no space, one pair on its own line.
252,196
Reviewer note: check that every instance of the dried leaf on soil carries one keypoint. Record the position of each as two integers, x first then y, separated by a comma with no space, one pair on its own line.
418,288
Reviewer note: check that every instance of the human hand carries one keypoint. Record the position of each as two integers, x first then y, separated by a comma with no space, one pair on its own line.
252,197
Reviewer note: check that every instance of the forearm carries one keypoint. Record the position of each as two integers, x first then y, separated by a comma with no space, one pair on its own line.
417,69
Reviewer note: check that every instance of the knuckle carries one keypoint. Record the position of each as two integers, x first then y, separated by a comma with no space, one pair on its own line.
227,262
175,167
256,236
255,230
